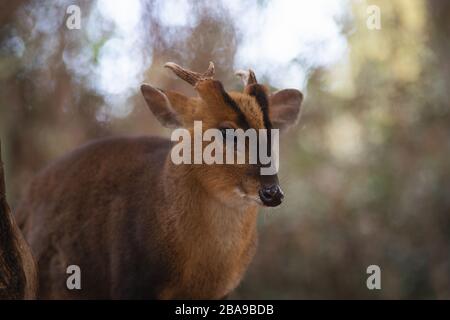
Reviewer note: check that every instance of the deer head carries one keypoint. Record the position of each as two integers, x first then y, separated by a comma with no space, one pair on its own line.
254,108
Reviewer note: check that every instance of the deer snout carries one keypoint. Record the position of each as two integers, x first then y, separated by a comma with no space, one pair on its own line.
271,195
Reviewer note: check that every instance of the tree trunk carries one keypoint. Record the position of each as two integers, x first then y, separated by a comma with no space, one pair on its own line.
17,267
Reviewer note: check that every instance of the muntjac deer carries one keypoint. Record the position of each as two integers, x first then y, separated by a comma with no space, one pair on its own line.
17,268
140,226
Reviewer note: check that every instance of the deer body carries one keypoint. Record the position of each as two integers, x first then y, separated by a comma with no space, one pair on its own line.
168,248
139,226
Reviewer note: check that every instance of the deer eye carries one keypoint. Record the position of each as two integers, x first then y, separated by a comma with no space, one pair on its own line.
227,125
227,137
224,132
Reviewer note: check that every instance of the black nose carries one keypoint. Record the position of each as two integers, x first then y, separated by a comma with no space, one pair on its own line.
271,196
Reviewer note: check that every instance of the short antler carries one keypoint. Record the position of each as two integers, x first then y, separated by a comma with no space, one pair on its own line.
247,77
189,76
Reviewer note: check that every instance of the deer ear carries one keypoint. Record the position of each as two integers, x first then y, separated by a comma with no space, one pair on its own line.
160,105
284,108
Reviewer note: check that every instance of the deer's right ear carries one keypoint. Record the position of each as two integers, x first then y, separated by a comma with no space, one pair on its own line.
161,106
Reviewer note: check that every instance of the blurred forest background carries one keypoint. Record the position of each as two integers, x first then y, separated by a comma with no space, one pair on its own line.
367,171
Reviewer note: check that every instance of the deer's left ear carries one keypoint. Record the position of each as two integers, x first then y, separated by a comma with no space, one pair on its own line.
284,108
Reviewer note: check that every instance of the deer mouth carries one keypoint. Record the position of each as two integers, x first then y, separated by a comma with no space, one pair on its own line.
271,196
248,197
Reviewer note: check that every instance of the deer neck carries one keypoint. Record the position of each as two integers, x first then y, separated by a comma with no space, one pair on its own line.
188,201
214,242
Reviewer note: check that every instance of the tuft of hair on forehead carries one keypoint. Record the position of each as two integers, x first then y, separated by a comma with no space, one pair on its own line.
261,95
258,91
250,109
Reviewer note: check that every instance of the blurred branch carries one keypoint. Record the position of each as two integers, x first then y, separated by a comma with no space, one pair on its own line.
2,179
12,275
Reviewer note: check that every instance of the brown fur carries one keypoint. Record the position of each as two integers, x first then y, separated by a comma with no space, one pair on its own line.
139,226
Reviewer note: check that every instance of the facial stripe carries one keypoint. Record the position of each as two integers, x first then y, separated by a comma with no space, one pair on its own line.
233,105
258,92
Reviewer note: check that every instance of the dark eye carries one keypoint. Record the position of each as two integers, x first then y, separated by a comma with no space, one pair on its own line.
224,132
225,136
